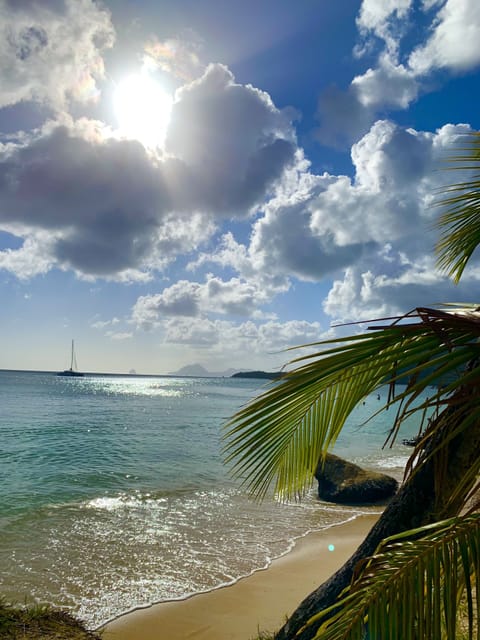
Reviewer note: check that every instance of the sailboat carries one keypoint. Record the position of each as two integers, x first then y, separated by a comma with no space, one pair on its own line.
72,372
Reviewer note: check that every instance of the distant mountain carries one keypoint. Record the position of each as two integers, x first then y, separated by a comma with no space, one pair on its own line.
197,371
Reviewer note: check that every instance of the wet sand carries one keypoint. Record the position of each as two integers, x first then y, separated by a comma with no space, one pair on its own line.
260,602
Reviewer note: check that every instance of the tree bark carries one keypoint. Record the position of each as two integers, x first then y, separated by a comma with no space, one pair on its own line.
420,501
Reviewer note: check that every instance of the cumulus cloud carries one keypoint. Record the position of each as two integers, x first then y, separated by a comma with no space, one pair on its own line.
50,52
285,241
365,294
450,39
234,297
31,259
453,43
371,232
337,220
390,202
258,340
114,210
234,142
449,32
82,199
389,84
384,19
101,203
374,14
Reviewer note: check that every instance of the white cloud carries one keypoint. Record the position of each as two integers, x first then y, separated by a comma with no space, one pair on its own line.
115,211
100,206
397,174
383,19
374,228
102,324
449,37
243,341
377,223
181,299
453,43
364,295
429,4
196,332
374,14
120,335
389,84
51,51
192,299
30,259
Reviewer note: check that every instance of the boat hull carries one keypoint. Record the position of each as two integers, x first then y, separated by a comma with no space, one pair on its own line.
68,373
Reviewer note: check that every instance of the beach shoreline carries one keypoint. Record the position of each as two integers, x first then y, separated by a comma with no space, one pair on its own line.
258,602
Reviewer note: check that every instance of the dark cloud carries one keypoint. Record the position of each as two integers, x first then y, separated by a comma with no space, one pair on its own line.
111,206
342,117
408,158
231,138
103,202
284,241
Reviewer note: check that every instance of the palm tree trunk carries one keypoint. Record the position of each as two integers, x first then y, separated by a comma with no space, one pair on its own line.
421,500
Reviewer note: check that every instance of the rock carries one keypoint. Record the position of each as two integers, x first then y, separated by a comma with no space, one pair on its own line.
347,483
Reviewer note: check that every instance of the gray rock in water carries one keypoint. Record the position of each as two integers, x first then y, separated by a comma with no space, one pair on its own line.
347,483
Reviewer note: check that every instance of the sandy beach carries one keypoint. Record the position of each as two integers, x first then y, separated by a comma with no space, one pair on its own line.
261,601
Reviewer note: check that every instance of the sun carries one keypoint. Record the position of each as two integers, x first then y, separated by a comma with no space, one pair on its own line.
142,109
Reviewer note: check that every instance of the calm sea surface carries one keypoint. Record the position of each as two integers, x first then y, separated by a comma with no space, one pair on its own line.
114,495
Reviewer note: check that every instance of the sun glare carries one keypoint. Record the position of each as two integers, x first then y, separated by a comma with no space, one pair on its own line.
142,109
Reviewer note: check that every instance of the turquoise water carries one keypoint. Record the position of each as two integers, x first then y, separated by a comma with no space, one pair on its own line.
114,494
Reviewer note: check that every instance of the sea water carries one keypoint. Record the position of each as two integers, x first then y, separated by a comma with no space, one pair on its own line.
114,495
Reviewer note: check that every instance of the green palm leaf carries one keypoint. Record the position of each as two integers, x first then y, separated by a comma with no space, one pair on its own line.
460,225
411,588
280,436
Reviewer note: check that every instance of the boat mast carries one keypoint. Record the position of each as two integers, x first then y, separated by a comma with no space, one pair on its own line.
72,359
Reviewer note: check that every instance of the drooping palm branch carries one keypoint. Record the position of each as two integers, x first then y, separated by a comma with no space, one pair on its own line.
411,588
282,434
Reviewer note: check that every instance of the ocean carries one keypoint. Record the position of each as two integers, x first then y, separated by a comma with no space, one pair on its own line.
114,494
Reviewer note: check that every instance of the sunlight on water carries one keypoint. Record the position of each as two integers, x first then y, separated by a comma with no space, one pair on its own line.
115,494
129,386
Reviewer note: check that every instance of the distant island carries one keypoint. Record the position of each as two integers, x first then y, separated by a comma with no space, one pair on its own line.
266,375
198,371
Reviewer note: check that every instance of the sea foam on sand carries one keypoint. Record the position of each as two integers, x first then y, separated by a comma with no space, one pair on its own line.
259,602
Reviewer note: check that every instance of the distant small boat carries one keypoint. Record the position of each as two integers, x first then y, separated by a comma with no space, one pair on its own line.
72,372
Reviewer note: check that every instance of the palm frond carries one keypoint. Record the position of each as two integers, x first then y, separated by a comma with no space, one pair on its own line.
411,588
460,225
281,435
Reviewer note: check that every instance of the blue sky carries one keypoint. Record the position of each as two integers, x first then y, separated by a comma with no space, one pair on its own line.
211,181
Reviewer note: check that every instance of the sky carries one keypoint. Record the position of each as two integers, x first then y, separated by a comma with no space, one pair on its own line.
212,182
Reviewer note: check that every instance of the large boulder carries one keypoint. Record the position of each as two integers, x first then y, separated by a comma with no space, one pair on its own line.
347,483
